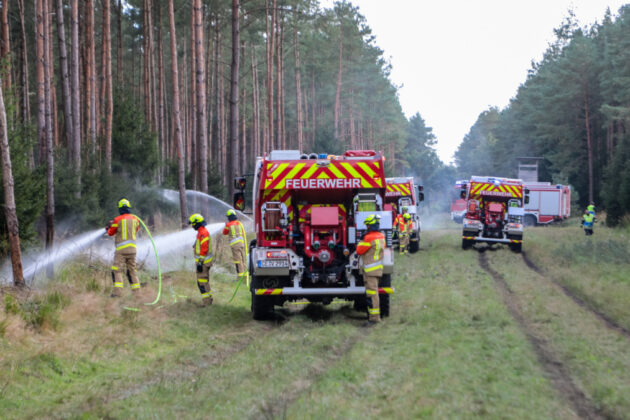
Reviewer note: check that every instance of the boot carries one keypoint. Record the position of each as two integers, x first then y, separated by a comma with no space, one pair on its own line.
206,301
116,293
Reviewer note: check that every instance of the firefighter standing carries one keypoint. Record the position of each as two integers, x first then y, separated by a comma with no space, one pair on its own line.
371,249
588,219
203,257
236,234
125,227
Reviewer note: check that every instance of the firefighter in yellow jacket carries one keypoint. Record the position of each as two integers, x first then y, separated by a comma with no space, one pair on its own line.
125,229
238,243
404,227
371,249
203,257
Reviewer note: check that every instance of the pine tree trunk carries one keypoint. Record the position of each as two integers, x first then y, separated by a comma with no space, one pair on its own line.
65,78
181,170
160,96
255,109
233,152
269,132
5,46
216,140
201,97
589,146
41,98
10,212
91,75
339,77
26,104
109,92
298,91
119,52
50,177
76,93
192,114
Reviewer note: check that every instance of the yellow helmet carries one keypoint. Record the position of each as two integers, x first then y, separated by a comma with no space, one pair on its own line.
195,218
407,216
124,203
372,219
230,212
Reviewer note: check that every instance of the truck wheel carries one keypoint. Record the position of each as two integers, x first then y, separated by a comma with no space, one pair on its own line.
360,304
530,220
261,305
414,246
383,300
467,243
516,247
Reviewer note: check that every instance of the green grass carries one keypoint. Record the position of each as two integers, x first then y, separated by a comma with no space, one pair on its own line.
450,349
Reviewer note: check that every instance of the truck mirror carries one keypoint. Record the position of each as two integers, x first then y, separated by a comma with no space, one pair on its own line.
239,201
527,199
421,196
462,194
240,183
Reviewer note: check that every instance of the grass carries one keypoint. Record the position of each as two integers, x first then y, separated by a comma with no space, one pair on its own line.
450,349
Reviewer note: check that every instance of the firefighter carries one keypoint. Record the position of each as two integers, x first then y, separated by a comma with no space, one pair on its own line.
588,219
371,249
405,230
203,257
398,221
125,227
236,234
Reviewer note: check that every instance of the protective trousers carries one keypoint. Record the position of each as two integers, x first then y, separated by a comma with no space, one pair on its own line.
239,259
404,242
371,292
203,282
125,257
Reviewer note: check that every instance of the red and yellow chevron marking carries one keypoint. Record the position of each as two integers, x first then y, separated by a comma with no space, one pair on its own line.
468,237
483,188
399,189
304,175
268,291
283,196
516,241
385,290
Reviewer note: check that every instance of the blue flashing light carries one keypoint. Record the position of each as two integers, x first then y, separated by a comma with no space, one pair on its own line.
322,156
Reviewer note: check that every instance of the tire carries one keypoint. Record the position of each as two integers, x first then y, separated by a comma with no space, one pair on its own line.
414,246
386,281
467,243
530,220
360,304
516,247
262,306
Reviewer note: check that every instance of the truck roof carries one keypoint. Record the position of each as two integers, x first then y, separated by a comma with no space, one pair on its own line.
496,180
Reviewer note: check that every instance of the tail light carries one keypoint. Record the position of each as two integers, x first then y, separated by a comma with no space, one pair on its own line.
277,254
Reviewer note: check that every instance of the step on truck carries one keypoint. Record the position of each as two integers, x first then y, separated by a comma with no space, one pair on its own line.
494,211
309,213
402,192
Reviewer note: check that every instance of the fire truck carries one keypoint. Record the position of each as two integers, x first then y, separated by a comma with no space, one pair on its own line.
547,203
401,192
309,213
458,204
494,211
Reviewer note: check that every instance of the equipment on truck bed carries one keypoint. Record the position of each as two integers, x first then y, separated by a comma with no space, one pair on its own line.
494,211
309,213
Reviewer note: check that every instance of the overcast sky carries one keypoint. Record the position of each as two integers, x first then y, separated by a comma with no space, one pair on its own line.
455,58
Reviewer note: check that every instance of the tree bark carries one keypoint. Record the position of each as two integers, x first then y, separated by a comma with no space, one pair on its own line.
91,74
109,92
161,96
269,132
339,77
298,92
76,94
181,175
589,146
233,152
5,46
49,150
10,212
119,52
65,78
255,109
26,105
41,98
202,122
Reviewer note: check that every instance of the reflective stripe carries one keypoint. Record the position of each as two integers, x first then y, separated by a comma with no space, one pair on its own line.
125,244
114,225
236,240
369,268
202,280
378,248
124,229
370,292
374,311
114,268
135,228
364,244
206,295
204,240
208,259
118,284
135,285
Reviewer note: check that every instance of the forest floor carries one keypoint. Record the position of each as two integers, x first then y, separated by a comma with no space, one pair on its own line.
482,333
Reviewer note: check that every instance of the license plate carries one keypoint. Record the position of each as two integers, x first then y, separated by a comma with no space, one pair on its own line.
281,263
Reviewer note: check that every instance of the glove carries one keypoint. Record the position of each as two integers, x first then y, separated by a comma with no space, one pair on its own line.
199,267
109,224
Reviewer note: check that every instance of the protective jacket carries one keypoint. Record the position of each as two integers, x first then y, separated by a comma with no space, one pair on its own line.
235,232
587,220
125,227
203,246
371,248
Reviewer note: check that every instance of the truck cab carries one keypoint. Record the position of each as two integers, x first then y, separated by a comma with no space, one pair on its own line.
402,192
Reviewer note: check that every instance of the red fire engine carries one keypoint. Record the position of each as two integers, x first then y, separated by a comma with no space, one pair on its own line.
402,192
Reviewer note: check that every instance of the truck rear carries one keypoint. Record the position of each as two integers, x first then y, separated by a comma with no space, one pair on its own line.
309,213
402,192
458,204
548,203
494,211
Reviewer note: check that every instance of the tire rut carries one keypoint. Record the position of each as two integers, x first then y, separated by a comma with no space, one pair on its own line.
277,407
557,373
608,321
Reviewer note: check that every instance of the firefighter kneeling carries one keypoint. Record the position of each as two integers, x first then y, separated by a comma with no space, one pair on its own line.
371,249
238,243
203,257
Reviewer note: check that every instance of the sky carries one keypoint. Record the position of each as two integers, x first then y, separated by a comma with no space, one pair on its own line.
453,59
